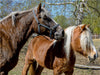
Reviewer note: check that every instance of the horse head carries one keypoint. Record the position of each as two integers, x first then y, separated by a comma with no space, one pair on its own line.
82,42
45,23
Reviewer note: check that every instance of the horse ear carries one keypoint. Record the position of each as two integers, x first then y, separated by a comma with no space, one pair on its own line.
39,8
44,6
88,26
83,27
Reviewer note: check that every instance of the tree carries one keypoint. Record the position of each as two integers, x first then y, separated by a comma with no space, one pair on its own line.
8,6
62,20
90,12
93,17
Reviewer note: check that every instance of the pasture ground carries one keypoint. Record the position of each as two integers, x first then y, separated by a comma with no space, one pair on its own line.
79,60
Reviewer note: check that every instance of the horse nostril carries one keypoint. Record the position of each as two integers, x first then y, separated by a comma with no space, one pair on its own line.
91,59
56,34
95,56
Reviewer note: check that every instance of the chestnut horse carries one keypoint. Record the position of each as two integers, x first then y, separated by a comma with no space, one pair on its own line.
59,55
15,30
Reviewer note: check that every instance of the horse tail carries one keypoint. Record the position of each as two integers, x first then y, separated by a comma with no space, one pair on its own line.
32,68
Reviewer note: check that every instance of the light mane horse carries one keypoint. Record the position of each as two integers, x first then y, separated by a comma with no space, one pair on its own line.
16,28
59,55
80,38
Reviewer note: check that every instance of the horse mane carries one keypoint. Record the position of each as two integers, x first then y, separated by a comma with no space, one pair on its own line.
67,38
15,14
87,42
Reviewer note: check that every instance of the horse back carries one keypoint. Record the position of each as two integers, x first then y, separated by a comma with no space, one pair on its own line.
41,48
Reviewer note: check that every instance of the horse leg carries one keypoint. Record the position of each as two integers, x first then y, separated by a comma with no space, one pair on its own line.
56,72
3,60
25,69
32,68
69,73
39,70
3,73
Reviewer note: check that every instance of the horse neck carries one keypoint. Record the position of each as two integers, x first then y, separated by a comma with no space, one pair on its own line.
18,33
68,53
15,36
24,29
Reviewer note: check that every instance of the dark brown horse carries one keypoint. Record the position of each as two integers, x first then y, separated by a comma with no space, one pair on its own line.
59,55
16,28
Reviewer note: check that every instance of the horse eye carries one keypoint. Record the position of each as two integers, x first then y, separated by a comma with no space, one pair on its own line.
45,17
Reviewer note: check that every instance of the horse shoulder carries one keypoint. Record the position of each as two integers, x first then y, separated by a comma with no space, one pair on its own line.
39,47
40,44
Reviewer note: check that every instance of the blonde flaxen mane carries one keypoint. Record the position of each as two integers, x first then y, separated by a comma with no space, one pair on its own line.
86,39
67,38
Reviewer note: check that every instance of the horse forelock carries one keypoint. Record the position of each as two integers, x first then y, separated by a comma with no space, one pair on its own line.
86,40
67,38
44,12
81,25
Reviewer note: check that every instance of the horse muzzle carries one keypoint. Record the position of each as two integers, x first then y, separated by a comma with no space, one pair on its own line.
91,59
59,35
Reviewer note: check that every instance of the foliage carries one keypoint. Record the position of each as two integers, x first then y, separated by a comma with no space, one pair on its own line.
62,20
93,17
94,24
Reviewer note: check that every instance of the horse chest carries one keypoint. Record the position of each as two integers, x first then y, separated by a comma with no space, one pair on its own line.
8,65
7,55
63,64
47,59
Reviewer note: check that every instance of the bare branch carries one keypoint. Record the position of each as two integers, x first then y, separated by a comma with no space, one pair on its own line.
60,3
95,10
87,67
74,12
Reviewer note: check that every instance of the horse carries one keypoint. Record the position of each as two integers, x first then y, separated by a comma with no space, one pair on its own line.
58,55
17,27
